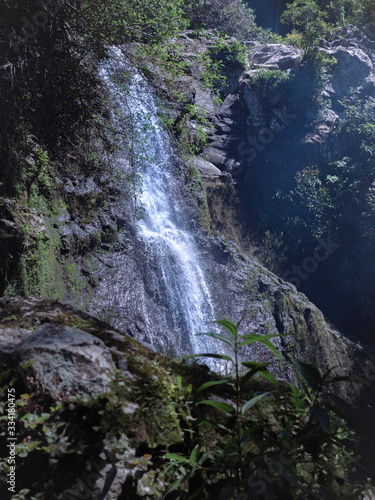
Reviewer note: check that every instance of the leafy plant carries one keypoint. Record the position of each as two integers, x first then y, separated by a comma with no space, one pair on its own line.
238,408
228,54
234,18
295,455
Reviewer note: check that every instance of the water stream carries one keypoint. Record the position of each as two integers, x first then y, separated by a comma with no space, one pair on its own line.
160,290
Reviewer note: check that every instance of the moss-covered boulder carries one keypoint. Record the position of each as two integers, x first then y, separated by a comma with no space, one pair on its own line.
96,412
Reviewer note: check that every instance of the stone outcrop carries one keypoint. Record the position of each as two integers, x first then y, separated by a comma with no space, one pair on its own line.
244,288
246,122
354,71
274,56
68,358
110,406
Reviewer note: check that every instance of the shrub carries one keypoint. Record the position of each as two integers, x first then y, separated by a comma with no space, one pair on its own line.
229,54
234,18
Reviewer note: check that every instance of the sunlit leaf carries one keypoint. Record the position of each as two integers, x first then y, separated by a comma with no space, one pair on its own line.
254,337
219,336
219,405
252,402
213,383
228,325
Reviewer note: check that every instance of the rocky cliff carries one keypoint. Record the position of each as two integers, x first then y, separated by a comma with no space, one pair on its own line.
88,251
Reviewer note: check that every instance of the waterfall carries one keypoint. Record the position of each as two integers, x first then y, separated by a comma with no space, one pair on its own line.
159,291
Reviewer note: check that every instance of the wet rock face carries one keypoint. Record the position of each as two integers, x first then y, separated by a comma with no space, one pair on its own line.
241,287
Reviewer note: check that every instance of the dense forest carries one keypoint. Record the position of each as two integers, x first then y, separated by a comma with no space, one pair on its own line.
268,115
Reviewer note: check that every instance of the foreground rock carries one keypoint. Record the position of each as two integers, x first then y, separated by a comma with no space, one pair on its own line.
97,410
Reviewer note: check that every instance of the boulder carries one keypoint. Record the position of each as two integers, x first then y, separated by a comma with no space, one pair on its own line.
354,71
206,169
66,361
275,56
221,161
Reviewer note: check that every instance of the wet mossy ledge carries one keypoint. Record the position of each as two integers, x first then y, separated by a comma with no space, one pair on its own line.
97,411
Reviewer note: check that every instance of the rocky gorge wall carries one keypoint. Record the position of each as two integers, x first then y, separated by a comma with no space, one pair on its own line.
98,262
267,130
90,253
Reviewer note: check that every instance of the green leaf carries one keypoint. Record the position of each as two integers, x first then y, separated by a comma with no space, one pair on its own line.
176,457
251,338
194,454
310,374
209,355
228,324
218,336
216,382
322,416
341,414
260,368
219,405
252,402
348,378
204,458
175,485
268,336
294,481
268,375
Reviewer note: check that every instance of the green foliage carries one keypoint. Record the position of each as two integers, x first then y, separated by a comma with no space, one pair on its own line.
266,80
234,18
309,433
339,196
247,434
306,16
314,195
50,90
192,130
294,37
40,175
228,55
362,13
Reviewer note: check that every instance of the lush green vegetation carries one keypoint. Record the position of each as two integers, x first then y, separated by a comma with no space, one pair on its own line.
200,434
49,87
234,18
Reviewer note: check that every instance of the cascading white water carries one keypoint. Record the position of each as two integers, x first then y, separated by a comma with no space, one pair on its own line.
168,240
172,302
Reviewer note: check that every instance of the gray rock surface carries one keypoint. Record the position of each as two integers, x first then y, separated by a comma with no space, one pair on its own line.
206,169
65,361
354,71
275,56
